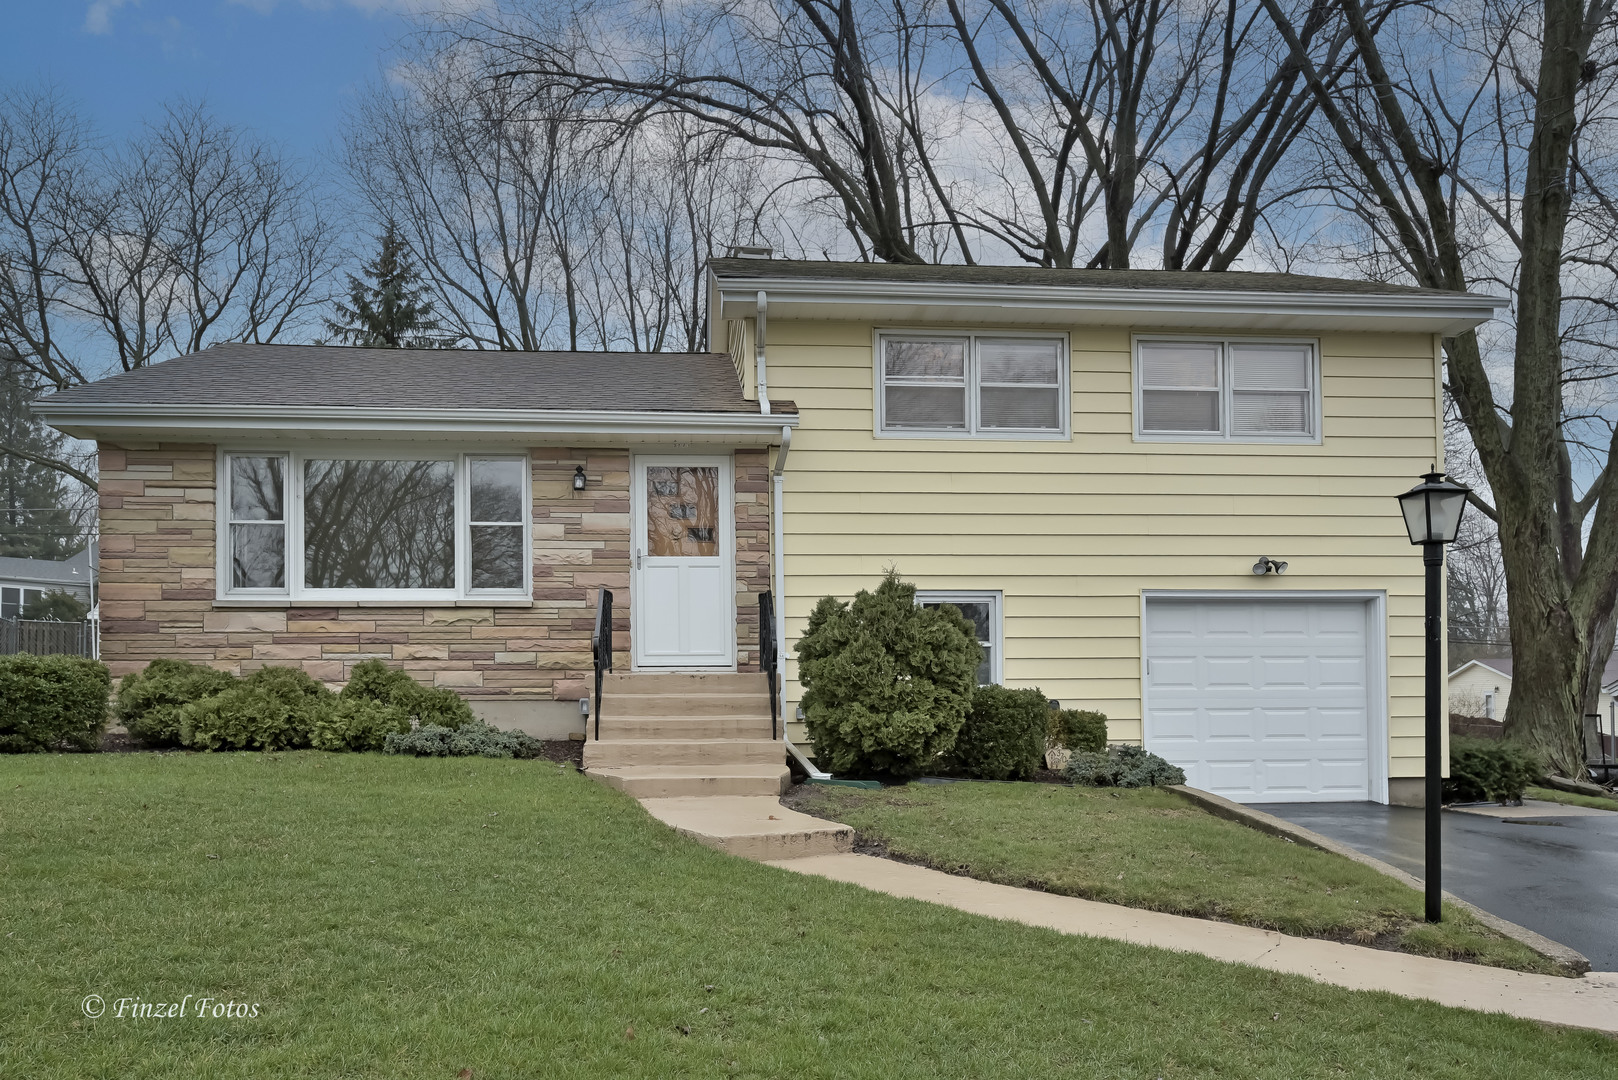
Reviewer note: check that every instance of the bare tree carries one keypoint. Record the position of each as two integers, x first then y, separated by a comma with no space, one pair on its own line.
540,222
1474,143
1058,133
195,233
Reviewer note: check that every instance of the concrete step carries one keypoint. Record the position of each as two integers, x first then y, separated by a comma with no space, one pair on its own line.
665,751
705,703
677,781
684,682
685,727
752,827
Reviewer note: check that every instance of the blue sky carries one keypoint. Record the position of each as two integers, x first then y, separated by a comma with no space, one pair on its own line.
286,68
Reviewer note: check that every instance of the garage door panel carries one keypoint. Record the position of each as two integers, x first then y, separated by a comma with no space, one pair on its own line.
1261,699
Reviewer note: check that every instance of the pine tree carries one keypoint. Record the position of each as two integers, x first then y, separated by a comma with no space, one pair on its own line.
390,309
35,519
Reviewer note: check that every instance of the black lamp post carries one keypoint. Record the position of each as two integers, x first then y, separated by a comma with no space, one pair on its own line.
1432,511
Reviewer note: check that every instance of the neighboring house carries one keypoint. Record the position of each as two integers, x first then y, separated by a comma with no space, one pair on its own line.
1089,463
24,580
1485,686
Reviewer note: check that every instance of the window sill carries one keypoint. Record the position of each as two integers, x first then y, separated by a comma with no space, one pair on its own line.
272,603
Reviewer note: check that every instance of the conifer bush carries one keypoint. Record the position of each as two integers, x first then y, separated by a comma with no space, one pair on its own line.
149,702
51,702
1003,737
274,708
475,739
1491,769
1078,729
356,723
1122,766
415,704
887,684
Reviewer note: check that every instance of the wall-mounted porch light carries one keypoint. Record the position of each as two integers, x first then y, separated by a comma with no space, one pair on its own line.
1267,565
578,478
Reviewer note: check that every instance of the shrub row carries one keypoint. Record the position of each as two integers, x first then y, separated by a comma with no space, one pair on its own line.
889,691
51,703
175,703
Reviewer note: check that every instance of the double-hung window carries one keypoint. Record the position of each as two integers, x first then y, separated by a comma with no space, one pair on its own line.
971,384
316,525
1248,391
982,610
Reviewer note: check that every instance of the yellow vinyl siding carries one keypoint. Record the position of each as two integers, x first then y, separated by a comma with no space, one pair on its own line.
1071,532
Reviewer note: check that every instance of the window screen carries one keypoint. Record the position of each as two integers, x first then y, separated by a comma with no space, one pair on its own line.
1179,387
1270,389
499,501
1020,384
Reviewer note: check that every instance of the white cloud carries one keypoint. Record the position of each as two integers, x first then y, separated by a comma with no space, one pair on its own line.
98,17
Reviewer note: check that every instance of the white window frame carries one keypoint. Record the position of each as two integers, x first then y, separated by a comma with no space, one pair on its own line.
1225,434
1064,407
293,460
997,637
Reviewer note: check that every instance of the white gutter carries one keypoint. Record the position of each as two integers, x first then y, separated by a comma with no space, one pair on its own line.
778,556
89,419
761,316
1105,305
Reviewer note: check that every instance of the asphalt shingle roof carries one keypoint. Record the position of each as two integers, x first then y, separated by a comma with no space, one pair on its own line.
269,375
1190,280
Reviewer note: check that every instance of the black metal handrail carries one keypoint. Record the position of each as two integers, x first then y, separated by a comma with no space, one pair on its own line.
601,646
769,649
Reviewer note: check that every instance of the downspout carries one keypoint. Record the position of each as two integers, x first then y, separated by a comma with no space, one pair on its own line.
778,556
761,373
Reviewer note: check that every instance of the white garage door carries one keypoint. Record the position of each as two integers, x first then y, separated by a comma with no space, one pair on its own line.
1261,700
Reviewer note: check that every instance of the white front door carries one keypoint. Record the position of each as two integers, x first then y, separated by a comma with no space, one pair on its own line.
683,589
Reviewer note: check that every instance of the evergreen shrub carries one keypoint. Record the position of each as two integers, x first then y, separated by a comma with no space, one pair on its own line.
274,708
887,684
372,680
1121,766
356,723
1003,737
1482,769
52,702
1078,729
149,702
474,739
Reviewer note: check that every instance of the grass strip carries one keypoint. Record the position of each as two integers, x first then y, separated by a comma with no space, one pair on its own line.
1154,849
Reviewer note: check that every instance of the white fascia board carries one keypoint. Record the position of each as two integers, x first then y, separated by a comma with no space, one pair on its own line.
929,303
91,421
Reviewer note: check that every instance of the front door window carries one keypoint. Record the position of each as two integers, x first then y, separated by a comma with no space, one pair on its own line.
682,511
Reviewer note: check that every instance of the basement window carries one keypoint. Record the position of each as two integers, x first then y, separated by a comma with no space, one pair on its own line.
982,610
346,526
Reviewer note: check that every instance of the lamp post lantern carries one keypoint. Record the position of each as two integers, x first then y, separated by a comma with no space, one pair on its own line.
1432,511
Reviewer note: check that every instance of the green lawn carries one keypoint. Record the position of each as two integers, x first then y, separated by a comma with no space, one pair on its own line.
397,917
1154,849
1569,798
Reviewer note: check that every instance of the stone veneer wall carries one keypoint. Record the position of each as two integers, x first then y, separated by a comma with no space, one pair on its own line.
158,584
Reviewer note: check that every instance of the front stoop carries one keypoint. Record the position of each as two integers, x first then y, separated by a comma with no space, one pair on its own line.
753,827
677,734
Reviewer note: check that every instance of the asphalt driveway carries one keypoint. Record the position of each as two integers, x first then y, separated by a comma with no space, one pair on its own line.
1557,876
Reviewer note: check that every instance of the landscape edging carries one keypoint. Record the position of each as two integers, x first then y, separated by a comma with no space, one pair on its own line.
1219,806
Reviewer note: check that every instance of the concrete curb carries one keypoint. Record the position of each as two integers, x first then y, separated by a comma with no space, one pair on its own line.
1219,806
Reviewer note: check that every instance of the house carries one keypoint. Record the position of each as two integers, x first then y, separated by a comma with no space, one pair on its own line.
25,580
1481,688
1094,465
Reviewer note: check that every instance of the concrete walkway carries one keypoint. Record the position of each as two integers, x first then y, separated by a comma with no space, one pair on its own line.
1588,1002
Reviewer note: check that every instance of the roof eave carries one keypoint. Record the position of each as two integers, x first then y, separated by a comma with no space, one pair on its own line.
1095,305
211,422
